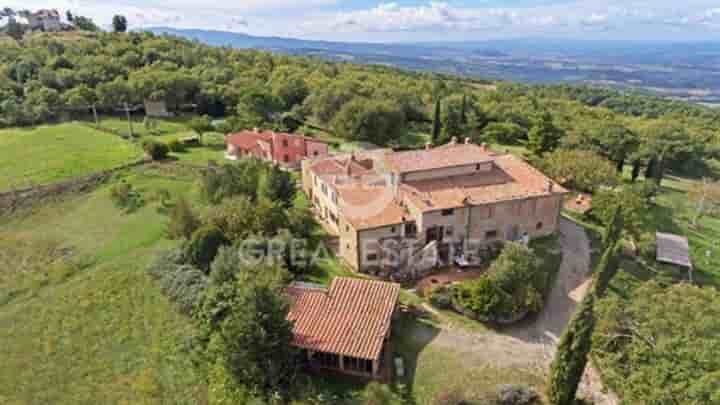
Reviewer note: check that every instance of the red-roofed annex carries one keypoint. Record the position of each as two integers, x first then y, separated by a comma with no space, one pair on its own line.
345,327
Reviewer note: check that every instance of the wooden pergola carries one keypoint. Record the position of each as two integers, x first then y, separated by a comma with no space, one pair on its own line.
675,250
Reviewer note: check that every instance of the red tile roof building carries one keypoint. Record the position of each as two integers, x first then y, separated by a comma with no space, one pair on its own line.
451,194
345,327
279,148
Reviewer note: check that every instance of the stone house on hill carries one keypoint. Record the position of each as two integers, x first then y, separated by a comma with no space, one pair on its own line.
390,209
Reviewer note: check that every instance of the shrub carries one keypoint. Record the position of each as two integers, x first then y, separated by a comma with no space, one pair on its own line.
513,287
174,145
204,245
155,150
441,298
183,284
125,197
517,395
183,221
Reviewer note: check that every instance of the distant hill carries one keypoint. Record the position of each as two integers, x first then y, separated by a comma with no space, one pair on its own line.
688,71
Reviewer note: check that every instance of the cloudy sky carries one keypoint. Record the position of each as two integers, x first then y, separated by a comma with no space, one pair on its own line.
415,20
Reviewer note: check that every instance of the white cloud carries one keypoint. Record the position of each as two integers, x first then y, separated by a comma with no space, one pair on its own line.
390,20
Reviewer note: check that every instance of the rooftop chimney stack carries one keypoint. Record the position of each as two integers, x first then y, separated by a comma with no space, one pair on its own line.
453,140
467,141
551,186
428,146
484,147
256,130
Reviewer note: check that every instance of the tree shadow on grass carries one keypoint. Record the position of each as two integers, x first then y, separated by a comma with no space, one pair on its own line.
412,332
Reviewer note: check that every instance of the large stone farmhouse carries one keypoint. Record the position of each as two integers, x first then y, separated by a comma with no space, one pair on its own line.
345,328
390,209
279,148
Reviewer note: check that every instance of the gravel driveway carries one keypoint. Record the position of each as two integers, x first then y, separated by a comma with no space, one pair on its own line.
531,344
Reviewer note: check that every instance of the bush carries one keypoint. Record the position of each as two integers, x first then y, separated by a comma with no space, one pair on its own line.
174,145
183,221
155,150
441,298
204,245
183,284
125,197
517,395
512,287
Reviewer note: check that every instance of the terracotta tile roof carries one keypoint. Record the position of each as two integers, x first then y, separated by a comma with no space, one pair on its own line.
247,139
367,207
443,156
342,166
351,318
510,179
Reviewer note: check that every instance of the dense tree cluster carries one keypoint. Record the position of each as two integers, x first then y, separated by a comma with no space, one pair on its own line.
513,286
661,346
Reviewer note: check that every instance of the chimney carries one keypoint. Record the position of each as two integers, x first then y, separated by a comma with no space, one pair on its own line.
551,186
255,130
483,147
453,140
428,146
467,141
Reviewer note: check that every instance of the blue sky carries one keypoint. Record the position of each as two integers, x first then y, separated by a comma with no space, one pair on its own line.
416,20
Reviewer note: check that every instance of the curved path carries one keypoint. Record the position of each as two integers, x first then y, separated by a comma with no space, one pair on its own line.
531,344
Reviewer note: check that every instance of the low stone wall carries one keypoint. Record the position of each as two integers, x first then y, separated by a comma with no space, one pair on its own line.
13,200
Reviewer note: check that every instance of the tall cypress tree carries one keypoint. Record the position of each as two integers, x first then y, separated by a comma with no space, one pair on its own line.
571,357
463,110
437,126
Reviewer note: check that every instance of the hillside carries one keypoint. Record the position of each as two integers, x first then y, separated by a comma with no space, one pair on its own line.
85,318
675,70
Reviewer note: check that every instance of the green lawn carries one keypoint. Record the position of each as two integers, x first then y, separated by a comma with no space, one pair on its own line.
165,126
674,212
91,327
52,153
432,370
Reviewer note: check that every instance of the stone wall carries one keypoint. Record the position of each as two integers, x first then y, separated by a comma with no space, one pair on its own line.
13,200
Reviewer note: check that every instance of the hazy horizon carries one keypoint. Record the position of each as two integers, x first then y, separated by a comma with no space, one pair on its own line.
410,21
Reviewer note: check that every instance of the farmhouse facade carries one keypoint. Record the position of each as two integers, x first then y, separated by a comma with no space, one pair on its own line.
43,20
399,214
280,148
346,327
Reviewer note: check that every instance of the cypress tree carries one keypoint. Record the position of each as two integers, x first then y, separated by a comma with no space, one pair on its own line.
463,110
436,122
650,169
570,359
635,170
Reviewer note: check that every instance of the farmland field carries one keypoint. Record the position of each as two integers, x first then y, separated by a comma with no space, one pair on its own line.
80,320
52,153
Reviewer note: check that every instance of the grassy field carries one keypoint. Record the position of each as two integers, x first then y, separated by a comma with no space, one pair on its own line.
52,153
91,327
165,126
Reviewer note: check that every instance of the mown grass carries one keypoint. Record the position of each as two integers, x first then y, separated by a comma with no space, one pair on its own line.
100,332
432,370
51,153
